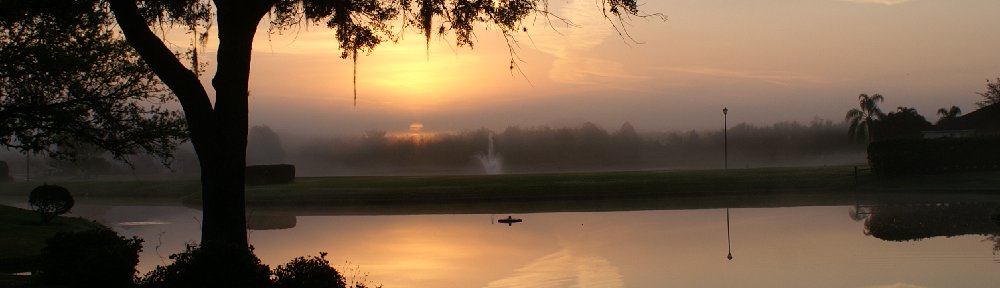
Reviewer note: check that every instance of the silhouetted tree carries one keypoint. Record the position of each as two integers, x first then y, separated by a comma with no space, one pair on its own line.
67,78
905,122
991,95
861,118
50,201
947,115
219,131
264,146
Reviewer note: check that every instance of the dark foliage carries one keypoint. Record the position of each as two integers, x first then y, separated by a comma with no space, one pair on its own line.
196,267
862,118
905,122
67,77
916,156
270,174
907,222
948,115
991,95
50,201
309,272
92,258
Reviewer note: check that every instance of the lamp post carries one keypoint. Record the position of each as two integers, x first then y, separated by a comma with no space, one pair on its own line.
725,138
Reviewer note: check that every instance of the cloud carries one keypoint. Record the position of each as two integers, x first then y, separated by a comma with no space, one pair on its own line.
883,2
574,45
783,78
896,285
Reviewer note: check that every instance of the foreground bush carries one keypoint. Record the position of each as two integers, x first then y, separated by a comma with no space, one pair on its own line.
312,272
91,258
196,267
50,201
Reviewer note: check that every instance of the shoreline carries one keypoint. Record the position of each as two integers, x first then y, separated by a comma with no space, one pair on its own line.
562,192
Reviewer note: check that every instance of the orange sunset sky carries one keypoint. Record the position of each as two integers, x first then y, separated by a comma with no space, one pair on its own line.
766,60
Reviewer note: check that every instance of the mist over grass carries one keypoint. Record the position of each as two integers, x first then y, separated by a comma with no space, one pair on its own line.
536,149
585,147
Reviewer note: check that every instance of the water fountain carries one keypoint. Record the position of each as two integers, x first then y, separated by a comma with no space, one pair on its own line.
492,163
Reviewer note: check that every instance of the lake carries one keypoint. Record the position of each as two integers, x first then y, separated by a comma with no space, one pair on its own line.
907,244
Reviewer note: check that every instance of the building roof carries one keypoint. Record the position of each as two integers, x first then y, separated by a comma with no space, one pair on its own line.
983,119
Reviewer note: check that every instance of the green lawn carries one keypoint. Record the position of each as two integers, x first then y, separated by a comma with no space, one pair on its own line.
548,192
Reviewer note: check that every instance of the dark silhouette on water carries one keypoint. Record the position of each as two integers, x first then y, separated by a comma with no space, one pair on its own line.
509,221
916,221
729,240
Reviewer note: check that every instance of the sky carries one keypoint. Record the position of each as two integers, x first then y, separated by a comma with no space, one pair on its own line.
766,61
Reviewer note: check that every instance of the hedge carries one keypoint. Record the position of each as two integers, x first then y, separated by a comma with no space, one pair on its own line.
270,174
920,156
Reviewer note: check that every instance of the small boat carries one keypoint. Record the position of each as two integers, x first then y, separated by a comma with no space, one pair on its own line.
509,221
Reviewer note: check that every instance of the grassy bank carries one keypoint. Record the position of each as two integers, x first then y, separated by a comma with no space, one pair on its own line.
549,192
22,236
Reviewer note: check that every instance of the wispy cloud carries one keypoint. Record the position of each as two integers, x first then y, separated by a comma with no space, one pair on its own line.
573,46
883,2
783,78
896,285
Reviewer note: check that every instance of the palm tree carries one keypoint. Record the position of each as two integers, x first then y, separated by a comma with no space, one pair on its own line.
861,119
948,114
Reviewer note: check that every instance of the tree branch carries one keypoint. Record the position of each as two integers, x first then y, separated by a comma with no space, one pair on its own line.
181,80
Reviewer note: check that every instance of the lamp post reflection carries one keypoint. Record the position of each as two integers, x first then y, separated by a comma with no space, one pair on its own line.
729,240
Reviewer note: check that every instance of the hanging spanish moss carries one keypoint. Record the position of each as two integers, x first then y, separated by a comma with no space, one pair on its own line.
355,81
426,20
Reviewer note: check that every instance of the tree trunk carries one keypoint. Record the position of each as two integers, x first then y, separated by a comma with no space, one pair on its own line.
219,134
223,170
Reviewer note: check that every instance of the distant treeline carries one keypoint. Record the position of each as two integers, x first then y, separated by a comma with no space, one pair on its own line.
584,147
587,147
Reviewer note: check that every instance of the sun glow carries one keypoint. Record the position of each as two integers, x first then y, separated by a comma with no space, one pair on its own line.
409,75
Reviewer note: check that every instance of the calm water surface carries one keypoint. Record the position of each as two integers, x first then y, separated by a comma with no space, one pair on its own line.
772,247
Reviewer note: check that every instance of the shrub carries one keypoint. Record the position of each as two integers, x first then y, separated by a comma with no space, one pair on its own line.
270,174
304,272
197,267
50,201
90,258
917,156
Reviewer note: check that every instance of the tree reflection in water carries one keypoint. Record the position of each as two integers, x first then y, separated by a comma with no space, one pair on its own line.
914,222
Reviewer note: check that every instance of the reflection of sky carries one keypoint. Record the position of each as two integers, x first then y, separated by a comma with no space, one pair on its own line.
777,247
